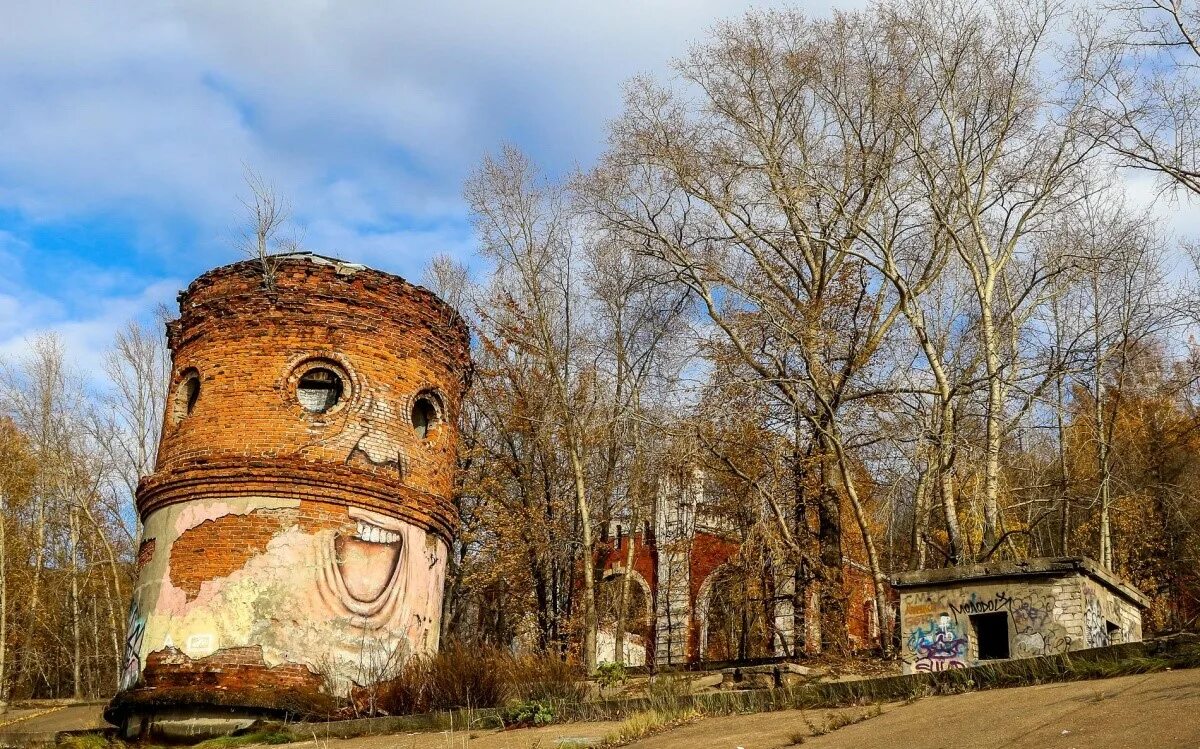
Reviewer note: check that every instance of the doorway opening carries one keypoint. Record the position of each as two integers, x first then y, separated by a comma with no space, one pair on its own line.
990,632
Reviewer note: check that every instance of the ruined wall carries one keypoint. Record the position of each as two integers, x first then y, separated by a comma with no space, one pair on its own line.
1045,616
296,527
707,555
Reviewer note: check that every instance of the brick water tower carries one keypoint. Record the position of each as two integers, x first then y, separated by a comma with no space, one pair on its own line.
297,524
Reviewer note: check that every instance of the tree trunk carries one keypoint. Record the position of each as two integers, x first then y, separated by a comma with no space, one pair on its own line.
1064,531
29,626
115,623
1102,464
590,623
3,602
878,581
77,660
946,458
835,636
623,596
919,546
993,437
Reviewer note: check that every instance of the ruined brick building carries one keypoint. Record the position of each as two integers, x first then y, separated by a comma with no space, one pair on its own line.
296,526
685,570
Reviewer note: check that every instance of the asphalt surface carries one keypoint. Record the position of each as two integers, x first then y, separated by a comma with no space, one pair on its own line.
1151,711
19,724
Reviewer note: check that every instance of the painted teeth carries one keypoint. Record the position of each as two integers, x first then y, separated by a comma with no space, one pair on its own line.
375,534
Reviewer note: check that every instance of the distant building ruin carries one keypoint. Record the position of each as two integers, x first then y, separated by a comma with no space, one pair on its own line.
681,573
964,616
296,528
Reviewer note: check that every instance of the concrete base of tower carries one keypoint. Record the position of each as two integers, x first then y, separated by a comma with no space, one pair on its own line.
190,714
188,725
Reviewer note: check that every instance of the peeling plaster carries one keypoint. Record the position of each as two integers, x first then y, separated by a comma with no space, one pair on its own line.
290,600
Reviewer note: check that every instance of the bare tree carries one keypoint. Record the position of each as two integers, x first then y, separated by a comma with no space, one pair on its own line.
267,213
1123,296
1143,61
526,227
755,197
638,316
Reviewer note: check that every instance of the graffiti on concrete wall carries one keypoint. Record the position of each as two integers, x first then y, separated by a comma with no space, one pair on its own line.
1106,620
1035,632
974,604
938,625
1095,627
938,648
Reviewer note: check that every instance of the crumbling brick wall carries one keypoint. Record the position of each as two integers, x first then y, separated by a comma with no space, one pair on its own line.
296,527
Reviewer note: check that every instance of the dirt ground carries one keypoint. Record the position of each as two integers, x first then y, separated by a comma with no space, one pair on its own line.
1153,711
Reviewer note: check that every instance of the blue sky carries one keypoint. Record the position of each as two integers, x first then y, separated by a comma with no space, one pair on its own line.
125,127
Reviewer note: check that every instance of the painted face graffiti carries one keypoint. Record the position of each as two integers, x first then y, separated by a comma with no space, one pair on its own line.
345,591
367,560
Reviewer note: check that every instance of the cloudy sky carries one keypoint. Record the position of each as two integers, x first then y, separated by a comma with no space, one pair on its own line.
124,128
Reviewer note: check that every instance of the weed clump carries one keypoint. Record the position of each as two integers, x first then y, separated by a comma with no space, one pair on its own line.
529,713
479,677
647,722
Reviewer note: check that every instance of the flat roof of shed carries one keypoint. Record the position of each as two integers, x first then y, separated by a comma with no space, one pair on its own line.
1041,567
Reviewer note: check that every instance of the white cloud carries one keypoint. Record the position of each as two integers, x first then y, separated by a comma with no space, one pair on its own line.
85,336
141,114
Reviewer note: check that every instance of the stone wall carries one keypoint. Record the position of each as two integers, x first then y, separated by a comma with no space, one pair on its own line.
1044,615
296,527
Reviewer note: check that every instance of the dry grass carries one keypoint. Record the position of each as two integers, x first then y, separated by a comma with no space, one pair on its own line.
456,677
643,724
475,677
542,677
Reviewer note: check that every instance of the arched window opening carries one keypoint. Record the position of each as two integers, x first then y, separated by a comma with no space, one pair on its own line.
426,415
187,392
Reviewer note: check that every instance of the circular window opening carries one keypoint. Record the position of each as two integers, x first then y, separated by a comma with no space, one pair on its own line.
319,389
426,415
186,395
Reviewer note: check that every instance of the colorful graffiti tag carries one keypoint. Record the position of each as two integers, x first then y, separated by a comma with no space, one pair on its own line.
939,639
131,662
939,648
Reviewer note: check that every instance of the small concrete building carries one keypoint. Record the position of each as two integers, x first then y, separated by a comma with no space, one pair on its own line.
965,616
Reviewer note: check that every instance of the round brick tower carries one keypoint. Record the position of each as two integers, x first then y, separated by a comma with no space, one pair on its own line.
296,527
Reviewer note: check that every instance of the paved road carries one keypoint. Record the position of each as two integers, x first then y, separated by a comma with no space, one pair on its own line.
1147,712
1154,711
46,721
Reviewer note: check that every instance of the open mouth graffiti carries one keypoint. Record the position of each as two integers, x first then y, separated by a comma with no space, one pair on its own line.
368,562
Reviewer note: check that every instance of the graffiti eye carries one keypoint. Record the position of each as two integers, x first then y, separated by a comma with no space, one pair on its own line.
320,389
426,414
